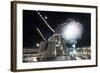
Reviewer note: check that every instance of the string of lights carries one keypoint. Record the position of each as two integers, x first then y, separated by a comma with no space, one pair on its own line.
45,21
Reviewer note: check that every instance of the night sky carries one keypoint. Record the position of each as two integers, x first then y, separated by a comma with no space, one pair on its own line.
31,20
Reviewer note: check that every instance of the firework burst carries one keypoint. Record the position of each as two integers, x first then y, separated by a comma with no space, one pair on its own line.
71,30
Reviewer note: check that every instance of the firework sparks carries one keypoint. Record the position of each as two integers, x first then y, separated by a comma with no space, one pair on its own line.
71,30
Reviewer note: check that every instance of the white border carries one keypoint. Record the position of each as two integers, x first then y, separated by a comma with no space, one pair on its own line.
21,65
